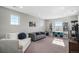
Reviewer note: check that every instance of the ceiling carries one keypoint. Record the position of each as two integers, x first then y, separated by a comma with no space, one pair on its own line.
47,12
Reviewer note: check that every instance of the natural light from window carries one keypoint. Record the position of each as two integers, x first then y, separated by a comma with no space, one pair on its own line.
15,20
58,23
59,42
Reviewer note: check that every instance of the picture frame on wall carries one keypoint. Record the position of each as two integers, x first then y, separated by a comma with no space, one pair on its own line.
32,24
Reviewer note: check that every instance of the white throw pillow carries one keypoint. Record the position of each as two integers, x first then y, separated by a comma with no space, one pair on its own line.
12,36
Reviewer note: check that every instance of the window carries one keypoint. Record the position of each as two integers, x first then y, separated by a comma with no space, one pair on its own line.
58,23
15,20
58,26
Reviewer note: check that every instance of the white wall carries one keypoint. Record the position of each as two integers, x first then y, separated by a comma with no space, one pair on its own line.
47,25
40,25
68,19
6,27
63,19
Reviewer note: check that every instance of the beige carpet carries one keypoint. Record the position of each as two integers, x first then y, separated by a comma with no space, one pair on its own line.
49,45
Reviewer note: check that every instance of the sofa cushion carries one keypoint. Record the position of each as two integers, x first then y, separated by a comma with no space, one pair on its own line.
38,36
42,32
12,36
42,35
37,33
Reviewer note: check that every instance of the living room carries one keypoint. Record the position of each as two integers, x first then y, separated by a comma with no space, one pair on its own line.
35,29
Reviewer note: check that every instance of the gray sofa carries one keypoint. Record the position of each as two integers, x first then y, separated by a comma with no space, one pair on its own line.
37,36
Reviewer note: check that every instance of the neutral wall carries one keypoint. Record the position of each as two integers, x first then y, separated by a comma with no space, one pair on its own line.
67,19
40,25
47,25
63,19
6,27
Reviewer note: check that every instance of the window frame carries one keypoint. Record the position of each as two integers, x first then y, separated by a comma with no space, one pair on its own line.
12,20
57,23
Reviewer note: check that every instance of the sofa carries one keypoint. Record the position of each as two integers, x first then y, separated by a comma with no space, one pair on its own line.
37,36
12,44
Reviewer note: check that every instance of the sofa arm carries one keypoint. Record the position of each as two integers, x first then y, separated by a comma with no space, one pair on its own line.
23,44
32,36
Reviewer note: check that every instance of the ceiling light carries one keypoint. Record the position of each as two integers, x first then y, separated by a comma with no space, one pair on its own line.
62,8
18,6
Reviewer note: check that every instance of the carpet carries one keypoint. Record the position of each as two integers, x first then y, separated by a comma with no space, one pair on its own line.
47,45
